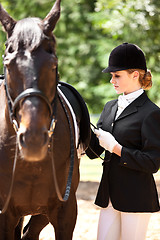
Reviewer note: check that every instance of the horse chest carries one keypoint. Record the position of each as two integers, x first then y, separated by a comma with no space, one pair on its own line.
32,185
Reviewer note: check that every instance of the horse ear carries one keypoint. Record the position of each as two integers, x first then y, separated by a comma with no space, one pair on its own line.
51,19
7,22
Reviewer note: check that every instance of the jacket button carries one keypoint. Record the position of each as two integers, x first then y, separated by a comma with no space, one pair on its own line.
112,124
125,163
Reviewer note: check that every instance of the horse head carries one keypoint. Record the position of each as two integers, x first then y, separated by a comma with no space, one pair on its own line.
31,78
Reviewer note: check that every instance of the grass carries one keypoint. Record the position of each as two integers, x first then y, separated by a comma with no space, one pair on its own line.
90,170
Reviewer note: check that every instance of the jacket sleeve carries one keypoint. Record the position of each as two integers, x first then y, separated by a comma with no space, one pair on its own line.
148,158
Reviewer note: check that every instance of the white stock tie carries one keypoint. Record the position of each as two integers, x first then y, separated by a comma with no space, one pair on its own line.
125,100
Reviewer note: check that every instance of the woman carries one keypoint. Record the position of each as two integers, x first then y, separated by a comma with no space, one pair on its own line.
129,132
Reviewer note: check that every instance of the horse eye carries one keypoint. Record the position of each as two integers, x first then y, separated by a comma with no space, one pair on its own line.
49,50
10,49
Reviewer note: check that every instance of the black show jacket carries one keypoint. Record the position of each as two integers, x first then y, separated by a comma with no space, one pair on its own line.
128,180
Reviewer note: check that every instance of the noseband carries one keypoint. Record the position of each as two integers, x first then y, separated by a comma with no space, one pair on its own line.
29,92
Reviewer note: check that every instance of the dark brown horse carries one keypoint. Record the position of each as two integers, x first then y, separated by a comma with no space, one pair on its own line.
35,145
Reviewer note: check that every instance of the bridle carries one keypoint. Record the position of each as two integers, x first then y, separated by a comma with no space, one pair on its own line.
12,106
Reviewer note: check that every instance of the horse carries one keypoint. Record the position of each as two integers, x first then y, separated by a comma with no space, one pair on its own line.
39,164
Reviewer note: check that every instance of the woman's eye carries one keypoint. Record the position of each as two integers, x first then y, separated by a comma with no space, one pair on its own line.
117,76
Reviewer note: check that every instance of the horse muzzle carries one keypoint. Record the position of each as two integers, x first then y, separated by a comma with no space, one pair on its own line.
33,145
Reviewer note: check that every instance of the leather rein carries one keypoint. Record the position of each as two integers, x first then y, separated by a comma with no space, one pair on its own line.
12,105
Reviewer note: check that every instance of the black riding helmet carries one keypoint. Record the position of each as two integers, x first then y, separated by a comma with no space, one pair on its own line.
126,56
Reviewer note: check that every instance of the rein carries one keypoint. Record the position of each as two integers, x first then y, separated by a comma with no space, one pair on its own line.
69,179
98,156
12,105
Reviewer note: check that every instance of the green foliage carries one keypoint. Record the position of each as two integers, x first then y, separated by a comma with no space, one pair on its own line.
136,22
132,21
79,62
87,32
154,93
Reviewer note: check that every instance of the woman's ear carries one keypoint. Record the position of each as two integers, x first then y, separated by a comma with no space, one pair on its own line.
135,75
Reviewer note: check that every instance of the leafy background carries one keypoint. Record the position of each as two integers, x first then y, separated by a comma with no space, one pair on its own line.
87,32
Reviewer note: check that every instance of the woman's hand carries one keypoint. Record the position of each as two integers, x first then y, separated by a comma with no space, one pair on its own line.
107,141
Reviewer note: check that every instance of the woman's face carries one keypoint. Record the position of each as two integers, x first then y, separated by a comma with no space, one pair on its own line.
123,82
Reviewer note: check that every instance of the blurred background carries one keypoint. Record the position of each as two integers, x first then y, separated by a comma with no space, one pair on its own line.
87,32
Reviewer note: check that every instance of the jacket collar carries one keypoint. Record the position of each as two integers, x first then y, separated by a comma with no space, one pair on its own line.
131,108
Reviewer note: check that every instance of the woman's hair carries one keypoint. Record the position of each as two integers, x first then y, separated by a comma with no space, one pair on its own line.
145,78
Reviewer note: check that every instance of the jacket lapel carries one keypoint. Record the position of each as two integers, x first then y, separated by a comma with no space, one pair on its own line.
114,110
133,107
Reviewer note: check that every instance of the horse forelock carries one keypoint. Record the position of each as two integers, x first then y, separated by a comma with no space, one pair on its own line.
28,33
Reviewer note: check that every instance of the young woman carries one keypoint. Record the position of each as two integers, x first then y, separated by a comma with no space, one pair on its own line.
129,132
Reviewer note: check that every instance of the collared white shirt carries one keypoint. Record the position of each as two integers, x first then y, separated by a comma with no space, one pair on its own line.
125,100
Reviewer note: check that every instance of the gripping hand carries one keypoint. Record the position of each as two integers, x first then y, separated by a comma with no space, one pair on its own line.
106,139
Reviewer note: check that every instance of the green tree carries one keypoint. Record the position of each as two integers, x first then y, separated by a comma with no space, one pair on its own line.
132,21
77,44
136,22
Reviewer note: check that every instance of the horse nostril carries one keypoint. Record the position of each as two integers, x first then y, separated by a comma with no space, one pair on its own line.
22,140
30,140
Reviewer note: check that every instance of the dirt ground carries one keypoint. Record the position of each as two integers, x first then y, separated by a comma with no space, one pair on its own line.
88,214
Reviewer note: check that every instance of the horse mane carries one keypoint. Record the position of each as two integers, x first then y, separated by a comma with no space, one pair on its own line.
28,34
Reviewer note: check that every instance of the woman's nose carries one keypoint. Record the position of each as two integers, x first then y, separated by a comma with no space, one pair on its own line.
112,80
